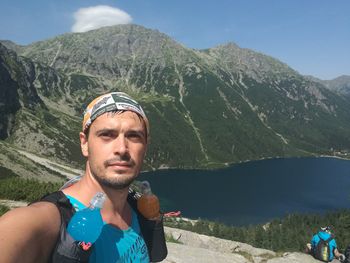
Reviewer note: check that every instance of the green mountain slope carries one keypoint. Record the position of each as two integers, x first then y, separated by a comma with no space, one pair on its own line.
207,108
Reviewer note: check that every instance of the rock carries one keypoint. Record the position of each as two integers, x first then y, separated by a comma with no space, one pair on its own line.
197,248
296,257
176,235
216,244
179,253
13,204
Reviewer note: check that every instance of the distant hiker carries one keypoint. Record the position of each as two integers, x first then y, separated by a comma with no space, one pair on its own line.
114,139
323,246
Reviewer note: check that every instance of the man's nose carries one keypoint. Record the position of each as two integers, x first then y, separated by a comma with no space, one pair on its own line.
120,145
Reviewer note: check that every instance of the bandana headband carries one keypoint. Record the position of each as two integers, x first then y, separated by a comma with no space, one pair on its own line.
113,101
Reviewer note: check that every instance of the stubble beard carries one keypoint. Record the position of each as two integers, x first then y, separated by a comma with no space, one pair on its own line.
116,181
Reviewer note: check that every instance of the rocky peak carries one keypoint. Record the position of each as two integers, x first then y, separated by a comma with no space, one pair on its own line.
340,84
252,63
11,45
109,52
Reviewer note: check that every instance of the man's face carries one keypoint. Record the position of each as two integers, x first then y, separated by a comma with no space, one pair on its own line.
115,148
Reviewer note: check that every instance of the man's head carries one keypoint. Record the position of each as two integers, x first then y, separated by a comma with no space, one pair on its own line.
326,229
114,139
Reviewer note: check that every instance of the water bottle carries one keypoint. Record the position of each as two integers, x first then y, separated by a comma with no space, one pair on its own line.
148,203
86,224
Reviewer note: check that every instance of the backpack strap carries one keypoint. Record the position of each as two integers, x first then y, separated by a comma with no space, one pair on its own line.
63,204
330,238
326,240
151,230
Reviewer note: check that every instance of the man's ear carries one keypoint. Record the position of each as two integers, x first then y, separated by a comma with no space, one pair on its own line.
84,144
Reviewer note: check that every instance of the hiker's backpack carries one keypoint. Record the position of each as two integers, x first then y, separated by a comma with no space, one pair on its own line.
322,250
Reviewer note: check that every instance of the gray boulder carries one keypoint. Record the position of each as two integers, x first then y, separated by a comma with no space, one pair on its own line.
195,248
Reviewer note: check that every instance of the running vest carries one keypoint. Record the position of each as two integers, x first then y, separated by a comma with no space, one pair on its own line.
116,245
67,250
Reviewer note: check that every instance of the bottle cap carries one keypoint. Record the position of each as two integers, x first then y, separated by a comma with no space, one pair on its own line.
146,187
98,200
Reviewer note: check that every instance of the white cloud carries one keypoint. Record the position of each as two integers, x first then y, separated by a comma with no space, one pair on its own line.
99,16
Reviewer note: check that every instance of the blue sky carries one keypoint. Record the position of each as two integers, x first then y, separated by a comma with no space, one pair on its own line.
311,36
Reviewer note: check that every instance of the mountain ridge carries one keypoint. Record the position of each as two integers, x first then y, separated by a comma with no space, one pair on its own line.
207,108
341,84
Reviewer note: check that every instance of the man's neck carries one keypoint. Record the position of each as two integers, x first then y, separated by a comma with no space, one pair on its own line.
115,211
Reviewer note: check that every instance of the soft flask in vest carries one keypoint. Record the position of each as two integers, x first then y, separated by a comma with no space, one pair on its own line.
86,224
148,203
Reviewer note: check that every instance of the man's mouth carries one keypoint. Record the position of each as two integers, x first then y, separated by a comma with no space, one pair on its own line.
119,163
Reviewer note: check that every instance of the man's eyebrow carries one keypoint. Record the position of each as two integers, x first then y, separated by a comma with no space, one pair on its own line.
105,130
111,130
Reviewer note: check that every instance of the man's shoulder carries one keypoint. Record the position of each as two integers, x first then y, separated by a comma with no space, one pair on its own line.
32,230
35,215
40,220
43,207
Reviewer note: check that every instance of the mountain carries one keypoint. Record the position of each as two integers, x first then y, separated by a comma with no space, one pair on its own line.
340,84
11,45
29,122
207,108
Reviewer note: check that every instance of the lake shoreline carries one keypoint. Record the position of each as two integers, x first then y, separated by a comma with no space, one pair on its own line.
227,165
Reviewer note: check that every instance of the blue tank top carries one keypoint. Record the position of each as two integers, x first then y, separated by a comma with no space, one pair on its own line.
116,245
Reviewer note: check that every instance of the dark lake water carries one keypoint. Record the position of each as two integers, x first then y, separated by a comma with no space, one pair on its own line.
257,191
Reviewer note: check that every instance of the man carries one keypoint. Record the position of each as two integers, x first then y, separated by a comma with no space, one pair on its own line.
319,244
114,140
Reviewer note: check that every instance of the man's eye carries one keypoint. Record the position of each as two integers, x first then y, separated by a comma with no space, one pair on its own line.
135,136
106,135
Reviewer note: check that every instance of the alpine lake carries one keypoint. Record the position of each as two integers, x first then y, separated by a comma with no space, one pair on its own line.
255,192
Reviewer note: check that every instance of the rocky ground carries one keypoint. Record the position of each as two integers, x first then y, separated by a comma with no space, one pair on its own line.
196,248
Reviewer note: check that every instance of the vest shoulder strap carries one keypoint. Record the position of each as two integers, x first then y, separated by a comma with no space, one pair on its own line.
151,230
62,202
